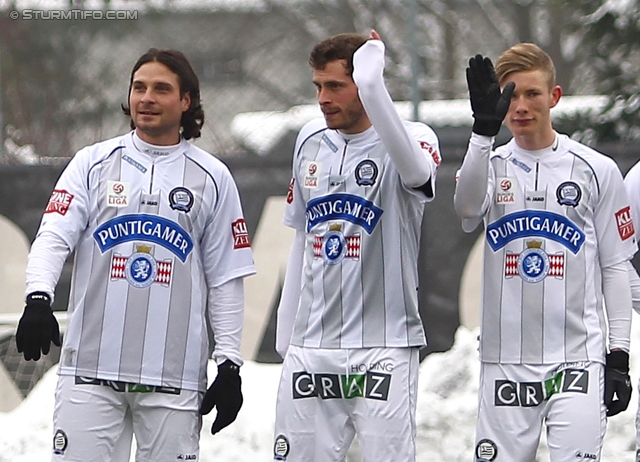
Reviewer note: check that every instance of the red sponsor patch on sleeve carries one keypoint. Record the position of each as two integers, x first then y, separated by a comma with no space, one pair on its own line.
59,202
240,234
625,223
290,191
430,149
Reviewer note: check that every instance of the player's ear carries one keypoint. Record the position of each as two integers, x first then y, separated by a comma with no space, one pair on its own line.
186,101
556,94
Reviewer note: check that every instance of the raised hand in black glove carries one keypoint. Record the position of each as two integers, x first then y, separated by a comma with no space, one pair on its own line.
489,105
225,393
617,382
37,328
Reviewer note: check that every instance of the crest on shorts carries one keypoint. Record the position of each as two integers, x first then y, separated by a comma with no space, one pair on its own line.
281,448
60,442
486,451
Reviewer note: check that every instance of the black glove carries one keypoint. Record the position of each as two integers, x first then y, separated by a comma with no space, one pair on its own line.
617,381
225,393
37,328
489,105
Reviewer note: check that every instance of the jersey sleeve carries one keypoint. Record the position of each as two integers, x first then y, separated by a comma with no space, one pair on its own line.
613,218
226,248
67,212
416,170
429,146
475,182
65,218
294,213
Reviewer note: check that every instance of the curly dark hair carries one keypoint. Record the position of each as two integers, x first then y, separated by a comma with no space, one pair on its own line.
193,118
341,46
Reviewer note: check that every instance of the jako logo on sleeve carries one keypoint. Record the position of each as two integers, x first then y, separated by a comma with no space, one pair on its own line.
59,202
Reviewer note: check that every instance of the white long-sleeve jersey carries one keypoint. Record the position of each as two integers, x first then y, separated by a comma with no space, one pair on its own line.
553,219
360,272
354,198
155,232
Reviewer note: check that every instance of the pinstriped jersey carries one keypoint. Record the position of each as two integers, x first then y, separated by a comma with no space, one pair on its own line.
555,217
360,275
152,233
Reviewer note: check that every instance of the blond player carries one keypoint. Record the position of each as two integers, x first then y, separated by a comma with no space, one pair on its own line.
558,236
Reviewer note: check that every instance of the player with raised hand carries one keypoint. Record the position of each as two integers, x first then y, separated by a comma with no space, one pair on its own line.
556,297
349,327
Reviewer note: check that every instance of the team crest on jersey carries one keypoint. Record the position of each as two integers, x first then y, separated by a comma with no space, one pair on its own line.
486,451
505,190
59,202
334,246
117,193
311,174
181,199
366,173
569,193
141,269
534,264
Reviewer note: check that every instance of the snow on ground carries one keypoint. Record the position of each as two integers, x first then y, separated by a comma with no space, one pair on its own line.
446,414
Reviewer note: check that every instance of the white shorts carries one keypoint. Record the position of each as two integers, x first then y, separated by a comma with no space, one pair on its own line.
326,397
515,400
93,423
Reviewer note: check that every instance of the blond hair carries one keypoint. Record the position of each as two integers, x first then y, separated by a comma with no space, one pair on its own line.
525,57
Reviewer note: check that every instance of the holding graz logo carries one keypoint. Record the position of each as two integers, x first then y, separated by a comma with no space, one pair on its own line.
528,394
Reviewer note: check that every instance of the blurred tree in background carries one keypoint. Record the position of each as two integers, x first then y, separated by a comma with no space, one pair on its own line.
62,81
51,89
610,53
